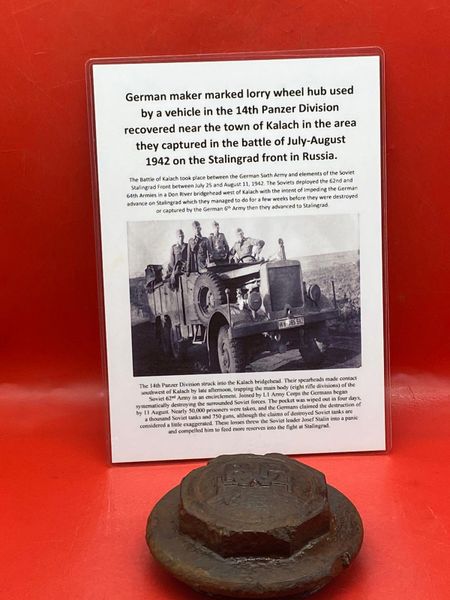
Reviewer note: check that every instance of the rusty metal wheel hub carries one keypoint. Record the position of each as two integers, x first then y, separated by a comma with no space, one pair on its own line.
253,526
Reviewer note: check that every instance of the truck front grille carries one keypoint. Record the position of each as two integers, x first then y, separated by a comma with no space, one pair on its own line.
285,287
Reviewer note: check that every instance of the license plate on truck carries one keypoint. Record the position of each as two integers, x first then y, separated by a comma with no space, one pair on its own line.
292,322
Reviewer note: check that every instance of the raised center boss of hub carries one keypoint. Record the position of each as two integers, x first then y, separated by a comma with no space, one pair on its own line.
254,506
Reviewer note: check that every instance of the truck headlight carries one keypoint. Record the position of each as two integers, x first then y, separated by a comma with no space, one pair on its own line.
254,300
314,292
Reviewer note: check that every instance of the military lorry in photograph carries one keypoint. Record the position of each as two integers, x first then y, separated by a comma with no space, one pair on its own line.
239,311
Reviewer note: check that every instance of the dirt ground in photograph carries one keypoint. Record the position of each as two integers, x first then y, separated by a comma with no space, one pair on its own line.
344,352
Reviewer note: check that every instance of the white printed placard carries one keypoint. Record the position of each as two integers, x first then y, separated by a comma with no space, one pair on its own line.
241,229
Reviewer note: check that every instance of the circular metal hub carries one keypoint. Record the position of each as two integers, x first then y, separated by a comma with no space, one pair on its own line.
254,527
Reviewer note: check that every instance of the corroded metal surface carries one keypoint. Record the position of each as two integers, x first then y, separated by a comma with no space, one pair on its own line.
252,526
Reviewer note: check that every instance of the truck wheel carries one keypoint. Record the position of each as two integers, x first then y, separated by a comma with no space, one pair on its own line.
163,333
209,293
159,334
230,352
309,340
178,346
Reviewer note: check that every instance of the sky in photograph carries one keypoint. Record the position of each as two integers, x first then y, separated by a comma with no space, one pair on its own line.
149,242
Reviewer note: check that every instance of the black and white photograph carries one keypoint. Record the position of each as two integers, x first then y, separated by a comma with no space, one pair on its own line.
258,294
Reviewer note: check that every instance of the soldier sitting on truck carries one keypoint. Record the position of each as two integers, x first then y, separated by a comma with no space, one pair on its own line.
246,248
198,251
218,246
